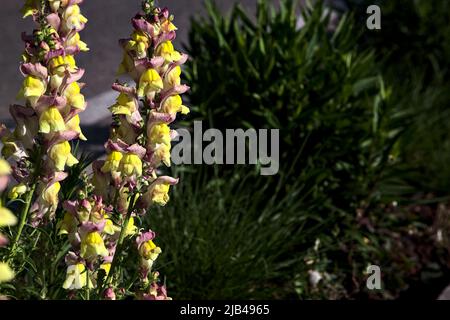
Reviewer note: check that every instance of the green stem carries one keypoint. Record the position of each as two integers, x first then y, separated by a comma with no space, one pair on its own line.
119,245
87,285
148,6
23,220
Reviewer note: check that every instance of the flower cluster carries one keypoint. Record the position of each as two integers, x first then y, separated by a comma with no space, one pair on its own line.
93,235
126,183
99,219
140,139
7,219
48,119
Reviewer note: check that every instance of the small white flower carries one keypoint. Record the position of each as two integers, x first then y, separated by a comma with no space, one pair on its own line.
314,277
439,237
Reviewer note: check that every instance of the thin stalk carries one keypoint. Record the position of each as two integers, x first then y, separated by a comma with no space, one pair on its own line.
118,252
87,285
23,220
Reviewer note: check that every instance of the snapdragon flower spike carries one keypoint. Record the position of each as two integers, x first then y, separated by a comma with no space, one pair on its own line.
93,236
140,137
51,93
143,114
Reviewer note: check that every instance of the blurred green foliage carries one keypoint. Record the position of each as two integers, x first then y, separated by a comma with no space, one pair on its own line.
413,51
221,241
355,135
327,98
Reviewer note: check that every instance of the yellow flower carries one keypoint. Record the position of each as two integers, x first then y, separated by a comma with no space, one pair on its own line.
130,165
123,200
159,133
125,132
32,89
51,121
55,4
139,36
126,65
84,213
75,41
139,43
159,194
110,228
149,253
29,8
68,224
125,105
168,26
173,78
25,132
101,182
149,250
72,18
162,153
5,171
92,246
149,83
76,277
131,228
74,97
167,51
59,64
7,218
74,125
61,155
58,67
106,266
17,191
50,194
174,104
6,273
5,168
112,162
9,148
